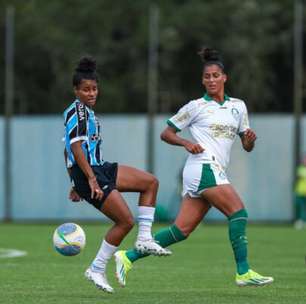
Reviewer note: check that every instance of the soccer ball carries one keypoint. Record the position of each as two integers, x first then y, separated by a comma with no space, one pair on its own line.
69,239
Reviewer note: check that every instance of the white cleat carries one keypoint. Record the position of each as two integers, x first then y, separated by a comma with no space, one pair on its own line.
99,279
151,247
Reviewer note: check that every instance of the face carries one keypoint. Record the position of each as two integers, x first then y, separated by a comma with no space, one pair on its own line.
87,92
213,79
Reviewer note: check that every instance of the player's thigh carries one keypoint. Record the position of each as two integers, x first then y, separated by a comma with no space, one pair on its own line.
130,179
115,208
191,213
224,198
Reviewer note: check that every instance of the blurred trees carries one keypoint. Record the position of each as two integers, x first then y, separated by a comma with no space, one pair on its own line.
254,36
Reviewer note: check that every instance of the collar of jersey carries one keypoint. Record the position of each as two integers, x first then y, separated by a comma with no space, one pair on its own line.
89,109
208,98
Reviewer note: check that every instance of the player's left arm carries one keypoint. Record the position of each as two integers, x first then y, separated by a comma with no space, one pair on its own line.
248,140
247,135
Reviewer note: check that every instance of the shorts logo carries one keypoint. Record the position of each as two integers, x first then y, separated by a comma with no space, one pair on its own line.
222,175
235,113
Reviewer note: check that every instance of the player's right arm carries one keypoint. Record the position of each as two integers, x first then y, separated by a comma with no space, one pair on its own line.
73,195
169,135
184,117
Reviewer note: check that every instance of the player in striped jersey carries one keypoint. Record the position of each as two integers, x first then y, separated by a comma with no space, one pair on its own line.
214,122
100,182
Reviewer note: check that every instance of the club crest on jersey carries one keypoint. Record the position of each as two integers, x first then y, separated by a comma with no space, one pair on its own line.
95,137
235,113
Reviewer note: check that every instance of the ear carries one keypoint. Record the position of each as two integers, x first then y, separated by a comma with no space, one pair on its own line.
224,77
75,90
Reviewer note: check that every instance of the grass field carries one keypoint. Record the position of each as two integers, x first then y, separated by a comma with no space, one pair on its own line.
201,269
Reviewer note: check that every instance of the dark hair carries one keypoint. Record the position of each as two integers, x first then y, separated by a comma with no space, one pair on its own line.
86,69
210,56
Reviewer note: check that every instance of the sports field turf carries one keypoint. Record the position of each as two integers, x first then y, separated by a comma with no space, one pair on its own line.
201,269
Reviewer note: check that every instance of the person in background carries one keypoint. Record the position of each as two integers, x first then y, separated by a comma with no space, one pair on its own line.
300,195
214,121
100,182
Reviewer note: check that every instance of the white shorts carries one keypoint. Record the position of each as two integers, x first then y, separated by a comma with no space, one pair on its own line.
199,177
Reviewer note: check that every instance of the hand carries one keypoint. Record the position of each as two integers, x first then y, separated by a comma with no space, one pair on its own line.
96,192
249,136
193,148
248,140
74,196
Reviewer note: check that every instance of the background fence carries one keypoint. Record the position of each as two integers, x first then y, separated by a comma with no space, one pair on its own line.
40,184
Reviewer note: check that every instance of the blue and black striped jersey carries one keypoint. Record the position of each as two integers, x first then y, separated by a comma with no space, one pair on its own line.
82,125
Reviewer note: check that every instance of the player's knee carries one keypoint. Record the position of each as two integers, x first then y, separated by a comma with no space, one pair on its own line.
154,183
127,224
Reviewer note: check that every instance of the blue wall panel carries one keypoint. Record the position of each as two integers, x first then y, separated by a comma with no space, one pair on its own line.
263,178
1,168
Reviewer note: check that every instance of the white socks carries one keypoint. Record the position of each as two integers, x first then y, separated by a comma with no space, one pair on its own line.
145,220
105,252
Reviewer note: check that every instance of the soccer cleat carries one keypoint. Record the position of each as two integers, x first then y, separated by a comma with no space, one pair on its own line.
99,279
252,278
123,266
151,247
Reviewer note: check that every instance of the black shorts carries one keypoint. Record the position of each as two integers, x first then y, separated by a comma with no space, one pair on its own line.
106,177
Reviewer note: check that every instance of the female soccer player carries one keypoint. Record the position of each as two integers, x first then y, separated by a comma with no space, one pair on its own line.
214,122
100,182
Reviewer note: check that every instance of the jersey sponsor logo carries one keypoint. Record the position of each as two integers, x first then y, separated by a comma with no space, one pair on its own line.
81,111
235,113
223,131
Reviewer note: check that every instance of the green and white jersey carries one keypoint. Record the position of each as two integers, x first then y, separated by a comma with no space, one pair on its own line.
213,125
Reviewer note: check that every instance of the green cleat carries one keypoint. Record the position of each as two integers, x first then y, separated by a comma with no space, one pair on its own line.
252,278
123,266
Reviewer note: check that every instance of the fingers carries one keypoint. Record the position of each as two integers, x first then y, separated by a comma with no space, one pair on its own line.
73,196
250,135
97,194
196,148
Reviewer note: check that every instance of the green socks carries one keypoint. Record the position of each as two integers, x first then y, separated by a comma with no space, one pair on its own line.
237,235
164,237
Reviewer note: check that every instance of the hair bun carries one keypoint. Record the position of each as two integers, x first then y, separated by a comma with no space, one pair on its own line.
209,54
86,65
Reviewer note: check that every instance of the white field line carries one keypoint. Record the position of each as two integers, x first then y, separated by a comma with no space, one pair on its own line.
11,253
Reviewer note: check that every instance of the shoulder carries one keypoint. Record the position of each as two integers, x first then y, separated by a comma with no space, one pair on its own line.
69,111
195,104
238,102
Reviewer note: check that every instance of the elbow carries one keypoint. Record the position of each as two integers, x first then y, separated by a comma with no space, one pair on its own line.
163,136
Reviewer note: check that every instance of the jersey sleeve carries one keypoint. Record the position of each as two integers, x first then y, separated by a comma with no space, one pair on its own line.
184,117
76,123
244,119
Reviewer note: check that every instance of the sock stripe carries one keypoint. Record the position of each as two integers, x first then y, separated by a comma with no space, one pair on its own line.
173,235
145,219
238,218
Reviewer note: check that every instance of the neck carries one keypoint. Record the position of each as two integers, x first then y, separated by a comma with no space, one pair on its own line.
219,97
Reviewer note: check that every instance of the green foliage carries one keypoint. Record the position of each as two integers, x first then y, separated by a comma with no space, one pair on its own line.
254,36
